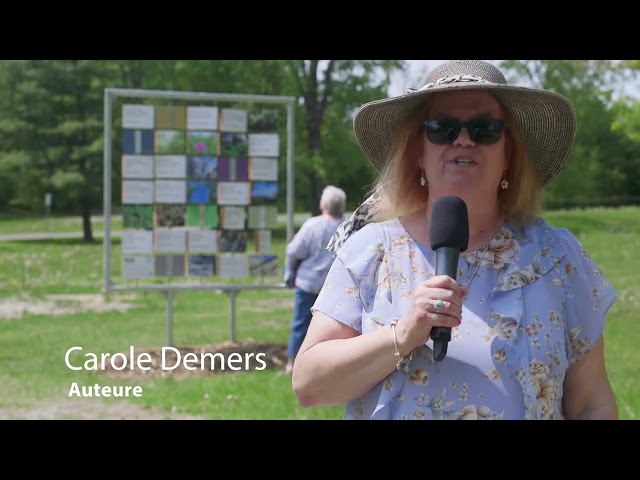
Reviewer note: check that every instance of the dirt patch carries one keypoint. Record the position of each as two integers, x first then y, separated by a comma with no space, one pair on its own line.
268,305
248,355
272,356
13,307
89,409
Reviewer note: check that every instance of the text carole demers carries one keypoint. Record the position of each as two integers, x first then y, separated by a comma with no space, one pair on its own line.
171,358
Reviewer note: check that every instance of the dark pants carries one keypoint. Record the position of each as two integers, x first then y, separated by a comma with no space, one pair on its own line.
301,320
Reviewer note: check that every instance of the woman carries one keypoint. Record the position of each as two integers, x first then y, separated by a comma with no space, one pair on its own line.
528,306
307,263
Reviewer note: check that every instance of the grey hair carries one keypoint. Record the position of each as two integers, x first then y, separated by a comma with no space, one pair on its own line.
334,200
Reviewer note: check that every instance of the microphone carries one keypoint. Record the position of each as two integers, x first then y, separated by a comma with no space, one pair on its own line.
449,236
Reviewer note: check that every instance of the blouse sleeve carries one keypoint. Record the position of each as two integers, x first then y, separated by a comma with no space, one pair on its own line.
589,298
350,284
298,247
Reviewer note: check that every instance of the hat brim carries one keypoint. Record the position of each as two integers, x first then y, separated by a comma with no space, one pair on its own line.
546,121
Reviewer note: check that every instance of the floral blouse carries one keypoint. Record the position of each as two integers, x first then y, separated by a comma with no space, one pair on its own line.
536,304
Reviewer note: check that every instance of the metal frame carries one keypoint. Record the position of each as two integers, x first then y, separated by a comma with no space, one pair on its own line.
169,290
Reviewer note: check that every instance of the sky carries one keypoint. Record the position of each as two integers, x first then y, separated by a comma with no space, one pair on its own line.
419,69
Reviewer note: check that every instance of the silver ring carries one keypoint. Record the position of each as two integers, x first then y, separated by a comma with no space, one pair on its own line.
438,304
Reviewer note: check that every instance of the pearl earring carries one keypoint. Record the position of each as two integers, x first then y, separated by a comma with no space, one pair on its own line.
423,181
504,183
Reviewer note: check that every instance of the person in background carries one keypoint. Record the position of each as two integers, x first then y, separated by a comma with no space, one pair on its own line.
307,262
527,308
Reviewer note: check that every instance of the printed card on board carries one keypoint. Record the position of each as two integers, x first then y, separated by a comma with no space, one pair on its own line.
171,166
202,142
202,240
137,216
201,191
170,265
233,218
264,192
232,240
233,120
137,166
263,241
171,191
171,215
171,241
204,167
233,169
233,266
138,116
264,145
263,168
234,145
263,265
137,266
137,242
234,193
137,142
171,117
170,142
202,265
137,191
263,217
202,118
202,216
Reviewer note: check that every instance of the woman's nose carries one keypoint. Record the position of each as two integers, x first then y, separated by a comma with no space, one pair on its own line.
464,138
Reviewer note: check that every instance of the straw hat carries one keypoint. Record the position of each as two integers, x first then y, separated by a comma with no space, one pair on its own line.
546,120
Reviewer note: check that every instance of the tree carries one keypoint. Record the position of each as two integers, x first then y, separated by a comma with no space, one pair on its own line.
590,85
331,91
53,127
51,132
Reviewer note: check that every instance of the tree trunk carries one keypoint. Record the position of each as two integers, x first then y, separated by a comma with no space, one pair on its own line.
86,223
315,147
315,194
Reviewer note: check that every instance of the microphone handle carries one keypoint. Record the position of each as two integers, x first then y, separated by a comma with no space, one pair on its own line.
446,264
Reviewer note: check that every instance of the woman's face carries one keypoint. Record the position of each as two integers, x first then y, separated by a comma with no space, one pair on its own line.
464,167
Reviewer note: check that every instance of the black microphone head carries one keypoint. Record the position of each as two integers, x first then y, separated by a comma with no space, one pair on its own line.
449,223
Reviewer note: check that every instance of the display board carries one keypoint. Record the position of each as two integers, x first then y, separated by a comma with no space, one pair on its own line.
197,181
199,185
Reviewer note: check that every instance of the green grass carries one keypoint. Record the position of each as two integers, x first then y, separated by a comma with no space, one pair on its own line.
612,237
18,222
32,347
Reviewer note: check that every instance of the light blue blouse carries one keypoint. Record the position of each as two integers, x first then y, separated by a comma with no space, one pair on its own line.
536,305
308,246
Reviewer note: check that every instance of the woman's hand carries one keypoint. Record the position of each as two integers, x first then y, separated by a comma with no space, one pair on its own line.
415,327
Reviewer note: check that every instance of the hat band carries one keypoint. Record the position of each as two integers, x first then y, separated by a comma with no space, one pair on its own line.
453,79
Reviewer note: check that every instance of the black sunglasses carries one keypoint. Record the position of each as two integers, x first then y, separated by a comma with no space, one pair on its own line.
483,131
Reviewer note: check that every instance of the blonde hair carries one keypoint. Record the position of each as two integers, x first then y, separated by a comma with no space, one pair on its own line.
399,192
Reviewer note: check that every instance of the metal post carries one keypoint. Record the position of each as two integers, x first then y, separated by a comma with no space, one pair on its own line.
232,294
48,199
106,201
290,175
169,296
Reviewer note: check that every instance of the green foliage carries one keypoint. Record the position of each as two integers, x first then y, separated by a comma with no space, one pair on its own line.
603,158
53,122
51,131
331,93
